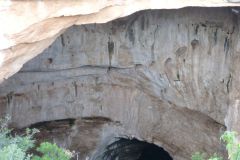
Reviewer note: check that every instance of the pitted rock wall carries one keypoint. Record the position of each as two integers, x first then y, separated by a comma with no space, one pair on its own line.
169,77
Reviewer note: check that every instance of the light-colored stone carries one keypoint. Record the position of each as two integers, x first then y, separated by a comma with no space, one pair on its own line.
168,77
28,27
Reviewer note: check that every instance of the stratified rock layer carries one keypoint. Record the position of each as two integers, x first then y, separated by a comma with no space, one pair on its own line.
169,77
28,27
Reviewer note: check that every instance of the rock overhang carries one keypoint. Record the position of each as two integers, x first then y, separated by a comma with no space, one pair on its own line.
24,35
204,103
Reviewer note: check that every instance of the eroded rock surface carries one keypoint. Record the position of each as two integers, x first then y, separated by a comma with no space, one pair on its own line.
168,77
28,27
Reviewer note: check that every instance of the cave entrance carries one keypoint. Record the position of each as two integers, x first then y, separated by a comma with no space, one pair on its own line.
133,149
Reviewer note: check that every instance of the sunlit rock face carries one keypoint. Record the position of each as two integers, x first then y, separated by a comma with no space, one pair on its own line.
23,35
168,77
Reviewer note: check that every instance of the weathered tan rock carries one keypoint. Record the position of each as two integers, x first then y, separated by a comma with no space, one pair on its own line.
169,77
25,35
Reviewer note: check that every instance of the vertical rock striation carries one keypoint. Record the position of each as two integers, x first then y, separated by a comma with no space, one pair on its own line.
168,77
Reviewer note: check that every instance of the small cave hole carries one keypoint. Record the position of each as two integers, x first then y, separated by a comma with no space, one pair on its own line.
133,149
49,60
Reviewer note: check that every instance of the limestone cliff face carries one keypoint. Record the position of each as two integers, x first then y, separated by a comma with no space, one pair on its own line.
169,77
28,27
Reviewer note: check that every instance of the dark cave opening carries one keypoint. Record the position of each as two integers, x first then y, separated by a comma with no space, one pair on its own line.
133,149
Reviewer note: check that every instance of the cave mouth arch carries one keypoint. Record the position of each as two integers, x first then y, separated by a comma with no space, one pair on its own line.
133,149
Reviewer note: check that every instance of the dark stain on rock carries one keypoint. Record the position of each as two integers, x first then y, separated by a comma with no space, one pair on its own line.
222,81
229,82
62,40
68,39
130,28
75,88
97,119
178,77
168,60
147,22
19,95
194,43
215,36
9,98
110,47
113,29
37,108
131,35
110,50
152,53
51,125
226,44
214,24
49,60
196,29
231,31
203,25
143,23
181,51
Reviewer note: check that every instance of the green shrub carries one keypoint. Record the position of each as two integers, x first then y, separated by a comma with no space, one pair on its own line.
232,146
215,157
52,152
16,147
198,156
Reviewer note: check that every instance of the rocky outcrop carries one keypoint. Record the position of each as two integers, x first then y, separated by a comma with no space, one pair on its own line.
24,35
169,77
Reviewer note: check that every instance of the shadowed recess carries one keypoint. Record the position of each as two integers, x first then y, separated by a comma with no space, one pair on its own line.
133,149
